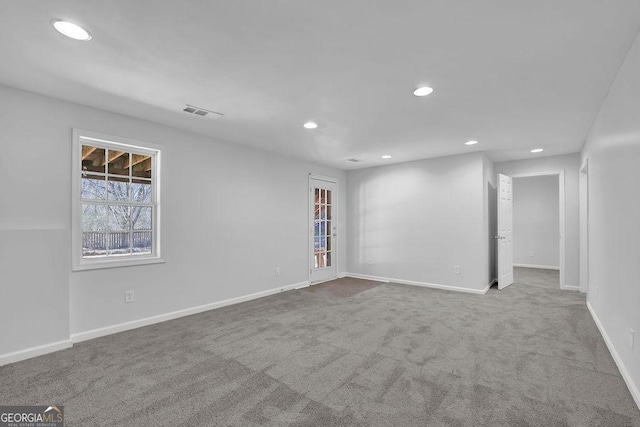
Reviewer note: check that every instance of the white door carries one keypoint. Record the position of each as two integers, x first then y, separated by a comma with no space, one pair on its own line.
505,231
323,226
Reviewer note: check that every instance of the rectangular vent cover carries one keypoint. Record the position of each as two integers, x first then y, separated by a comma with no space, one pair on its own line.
353,160
198,111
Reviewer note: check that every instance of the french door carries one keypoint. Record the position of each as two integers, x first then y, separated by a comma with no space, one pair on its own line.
323,226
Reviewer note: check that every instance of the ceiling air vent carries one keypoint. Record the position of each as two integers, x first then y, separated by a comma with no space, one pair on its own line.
201,111
353,160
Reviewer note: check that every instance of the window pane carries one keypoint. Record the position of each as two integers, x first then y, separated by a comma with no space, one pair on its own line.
141,165
329,243
119,218
323,228
328,228
119,223
328,201
141,221
329,212
320,259
93,187
119,162
321,213
94,226
118,188
322,244
329,259
92,159
141,191
141,218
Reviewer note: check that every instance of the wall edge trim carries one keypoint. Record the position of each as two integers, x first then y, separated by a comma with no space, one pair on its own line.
134,324
28,353
633,389
542,267
415,283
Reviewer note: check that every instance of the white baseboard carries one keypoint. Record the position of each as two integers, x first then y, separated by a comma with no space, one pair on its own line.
28,353
542,267
108,330
633,389
298,285
570,288
367,277
326,280
493,282
414,283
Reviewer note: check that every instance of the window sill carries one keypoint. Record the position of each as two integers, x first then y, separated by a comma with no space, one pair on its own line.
114,263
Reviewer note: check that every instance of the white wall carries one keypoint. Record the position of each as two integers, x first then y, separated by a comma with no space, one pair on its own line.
570,164
231,214
34,298
415,221
536,221
613,153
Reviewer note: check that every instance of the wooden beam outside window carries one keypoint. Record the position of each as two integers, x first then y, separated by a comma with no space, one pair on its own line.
87,150
135,159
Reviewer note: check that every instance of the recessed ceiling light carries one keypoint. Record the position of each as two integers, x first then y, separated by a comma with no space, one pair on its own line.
471,143
423,91
310,125
71,30
386,156
537,150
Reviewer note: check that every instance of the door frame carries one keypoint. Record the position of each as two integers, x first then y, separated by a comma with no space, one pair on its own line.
310,243
584,282
561,214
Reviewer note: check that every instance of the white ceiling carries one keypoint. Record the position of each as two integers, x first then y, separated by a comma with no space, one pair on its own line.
512,74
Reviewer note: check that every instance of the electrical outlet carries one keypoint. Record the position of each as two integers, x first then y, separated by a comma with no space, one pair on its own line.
128,296
631,334
456,269
532,254
277,271
370,261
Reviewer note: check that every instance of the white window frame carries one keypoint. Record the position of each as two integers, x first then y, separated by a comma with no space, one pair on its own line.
83,137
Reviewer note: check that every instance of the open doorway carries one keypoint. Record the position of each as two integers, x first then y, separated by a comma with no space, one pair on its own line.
539,228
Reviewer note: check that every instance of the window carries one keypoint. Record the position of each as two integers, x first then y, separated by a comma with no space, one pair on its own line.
116,202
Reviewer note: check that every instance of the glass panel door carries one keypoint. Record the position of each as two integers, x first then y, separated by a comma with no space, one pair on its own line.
324,230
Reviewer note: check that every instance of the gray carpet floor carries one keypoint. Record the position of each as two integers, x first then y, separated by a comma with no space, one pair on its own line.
388,355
